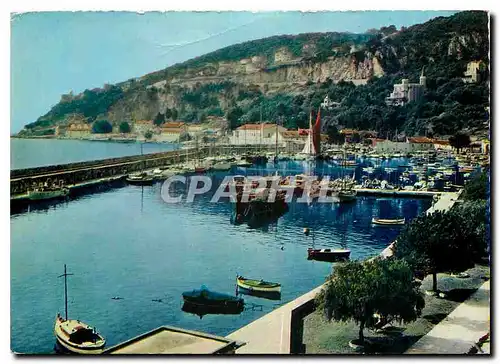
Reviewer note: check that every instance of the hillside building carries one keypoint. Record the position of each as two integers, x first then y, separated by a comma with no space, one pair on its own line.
78,130
405,91
263,133
411,145
172,131
141,127
473,72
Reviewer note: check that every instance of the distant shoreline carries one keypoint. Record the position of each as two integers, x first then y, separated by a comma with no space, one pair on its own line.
114,140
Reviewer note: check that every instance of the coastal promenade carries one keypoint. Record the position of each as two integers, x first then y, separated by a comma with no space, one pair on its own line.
461,330
396,193
280,331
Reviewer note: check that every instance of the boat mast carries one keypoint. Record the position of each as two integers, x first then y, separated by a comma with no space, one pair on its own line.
261,131
65,275
276,146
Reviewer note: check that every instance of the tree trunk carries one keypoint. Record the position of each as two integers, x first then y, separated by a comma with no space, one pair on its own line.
434,281
361,336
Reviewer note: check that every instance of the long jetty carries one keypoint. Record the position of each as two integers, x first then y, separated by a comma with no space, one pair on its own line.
75,175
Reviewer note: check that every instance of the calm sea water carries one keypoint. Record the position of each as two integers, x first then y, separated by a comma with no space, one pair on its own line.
27,153
128,242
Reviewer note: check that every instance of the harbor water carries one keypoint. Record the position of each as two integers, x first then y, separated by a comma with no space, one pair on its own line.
29,153
129,243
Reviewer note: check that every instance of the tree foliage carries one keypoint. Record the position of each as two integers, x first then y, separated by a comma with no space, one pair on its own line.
474,216
477,188
102,127
90,104
159,119
459,141
359,290
124,127
233,116
438,242
334,136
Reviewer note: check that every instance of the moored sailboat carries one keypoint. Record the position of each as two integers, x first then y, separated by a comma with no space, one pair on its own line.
75,336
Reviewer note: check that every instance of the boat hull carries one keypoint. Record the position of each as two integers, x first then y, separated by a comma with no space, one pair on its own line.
207,298
346,197
64,343
221,167
66,347
245,284
47,195
387,222
202,310
328,256
140,182
274,296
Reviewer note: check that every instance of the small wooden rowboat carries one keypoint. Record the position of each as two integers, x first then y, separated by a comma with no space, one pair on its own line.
257,285
388,221
328,255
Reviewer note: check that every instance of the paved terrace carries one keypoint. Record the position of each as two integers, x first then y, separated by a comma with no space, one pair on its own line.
461,330
279,332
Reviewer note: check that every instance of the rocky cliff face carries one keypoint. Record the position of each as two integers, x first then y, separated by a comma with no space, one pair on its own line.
286,74
291,71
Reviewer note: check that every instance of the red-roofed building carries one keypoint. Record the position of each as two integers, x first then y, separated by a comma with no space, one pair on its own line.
442,144
420,143
375,141
172,130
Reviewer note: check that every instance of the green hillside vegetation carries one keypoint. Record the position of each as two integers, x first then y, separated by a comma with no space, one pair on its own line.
442,45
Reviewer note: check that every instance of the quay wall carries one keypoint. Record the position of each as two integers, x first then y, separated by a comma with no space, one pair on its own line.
73,173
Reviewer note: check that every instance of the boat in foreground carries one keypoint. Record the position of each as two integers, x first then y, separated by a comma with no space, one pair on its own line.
74,336
388,221
77,337
257,285
328,255
205,297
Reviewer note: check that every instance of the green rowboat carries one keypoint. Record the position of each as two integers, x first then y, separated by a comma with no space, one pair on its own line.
257,285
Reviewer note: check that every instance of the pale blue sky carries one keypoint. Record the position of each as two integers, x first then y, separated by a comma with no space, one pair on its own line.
55,52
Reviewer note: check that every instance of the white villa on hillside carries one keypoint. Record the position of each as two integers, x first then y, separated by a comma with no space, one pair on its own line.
405,91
